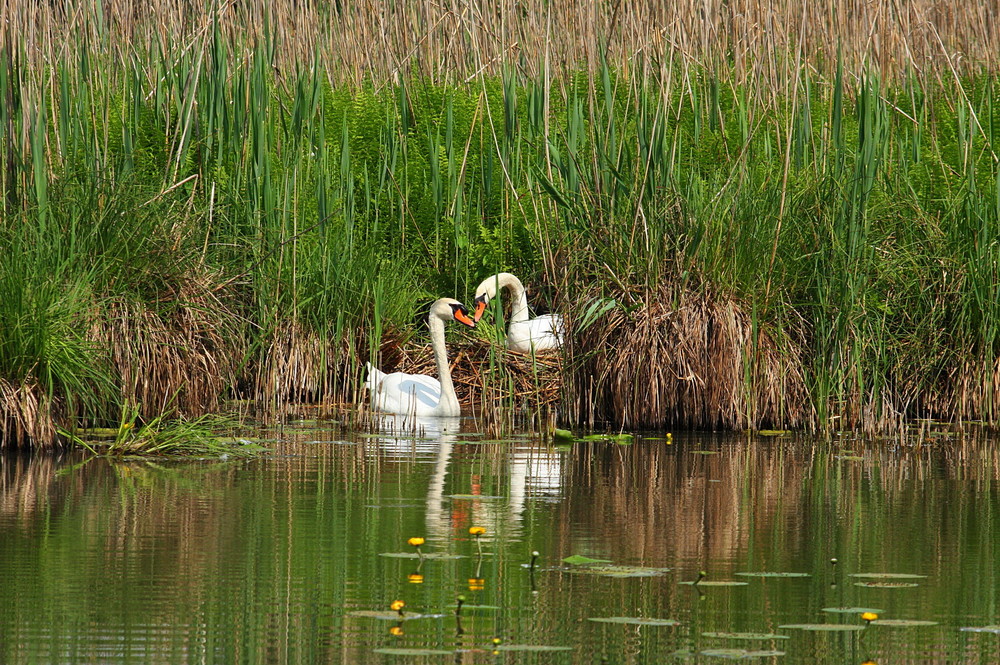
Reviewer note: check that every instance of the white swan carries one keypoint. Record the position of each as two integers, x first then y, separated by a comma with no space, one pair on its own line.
542,333
419,394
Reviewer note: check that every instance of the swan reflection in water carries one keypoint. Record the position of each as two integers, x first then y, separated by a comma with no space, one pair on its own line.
533,471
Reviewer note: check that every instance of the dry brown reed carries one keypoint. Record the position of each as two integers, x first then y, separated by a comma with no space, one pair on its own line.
684,357
966,392
301,366
28,415
176,359
381,41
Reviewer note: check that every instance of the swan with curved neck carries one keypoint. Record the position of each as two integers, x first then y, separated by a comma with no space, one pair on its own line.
419,394
524,334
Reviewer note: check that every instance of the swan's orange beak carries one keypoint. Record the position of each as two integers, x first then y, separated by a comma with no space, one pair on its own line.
480,308
461,315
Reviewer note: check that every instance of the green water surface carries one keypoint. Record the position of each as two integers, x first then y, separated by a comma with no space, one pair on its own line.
264,561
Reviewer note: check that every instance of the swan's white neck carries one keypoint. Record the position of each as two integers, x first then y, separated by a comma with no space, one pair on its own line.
519,306
448,406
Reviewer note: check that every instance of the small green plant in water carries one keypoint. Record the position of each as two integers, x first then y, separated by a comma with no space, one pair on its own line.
168,437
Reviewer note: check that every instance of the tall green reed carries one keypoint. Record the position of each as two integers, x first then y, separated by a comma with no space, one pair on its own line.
850,222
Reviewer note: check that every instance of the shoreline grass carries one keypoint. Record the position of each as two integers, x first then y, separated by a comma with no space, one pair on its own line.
806,239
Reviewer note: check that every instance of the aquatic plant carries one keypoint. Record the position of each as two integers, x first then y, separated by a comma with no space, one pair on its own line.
215,201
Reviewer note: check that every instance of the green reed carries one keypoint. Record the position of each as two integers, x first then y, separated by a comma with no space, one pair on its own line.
853,222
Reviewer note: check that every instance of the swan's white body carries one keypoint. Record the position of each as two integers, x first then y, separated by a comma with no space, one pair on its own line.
419,394
524,334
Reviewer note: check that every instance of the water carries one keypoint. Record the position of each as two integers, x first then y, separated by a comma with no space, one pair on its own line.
263,561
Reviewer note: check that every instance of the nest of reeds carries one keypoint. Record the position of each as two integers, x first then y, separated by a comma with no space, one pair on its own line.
487,376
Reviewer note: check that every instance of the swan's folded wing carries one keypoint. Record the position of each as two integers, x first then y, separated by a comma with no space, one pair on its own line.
544,333
416,394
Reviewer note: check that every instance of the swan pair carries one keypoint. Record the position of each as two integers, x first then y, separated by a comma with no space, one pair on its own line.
422,395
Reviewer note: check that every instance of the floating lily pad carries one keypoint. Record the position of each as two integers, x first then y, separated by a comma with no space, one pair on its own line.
562,435
852,610
636,621
427,555
414,652
617,438
903,623
824,627
746,636
887,585
715,583
773,432
888,576
704,452
740,654
981,629
580,560
613,570
390,615
530,647
769,574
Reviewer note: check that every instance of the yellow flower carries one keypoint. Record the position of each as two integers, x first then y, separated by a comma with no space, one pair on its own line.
396,630
869,616
415,578
477,530
398,605
476,583
416,541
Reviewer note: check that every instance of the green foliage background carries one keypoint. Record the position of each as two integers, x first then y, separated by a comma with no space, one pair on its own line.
858,218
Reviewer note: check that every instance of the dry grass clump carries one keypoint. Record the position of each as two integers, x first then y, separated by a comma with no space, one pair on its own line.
28,415
684,358
964,390
175,359
301,366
